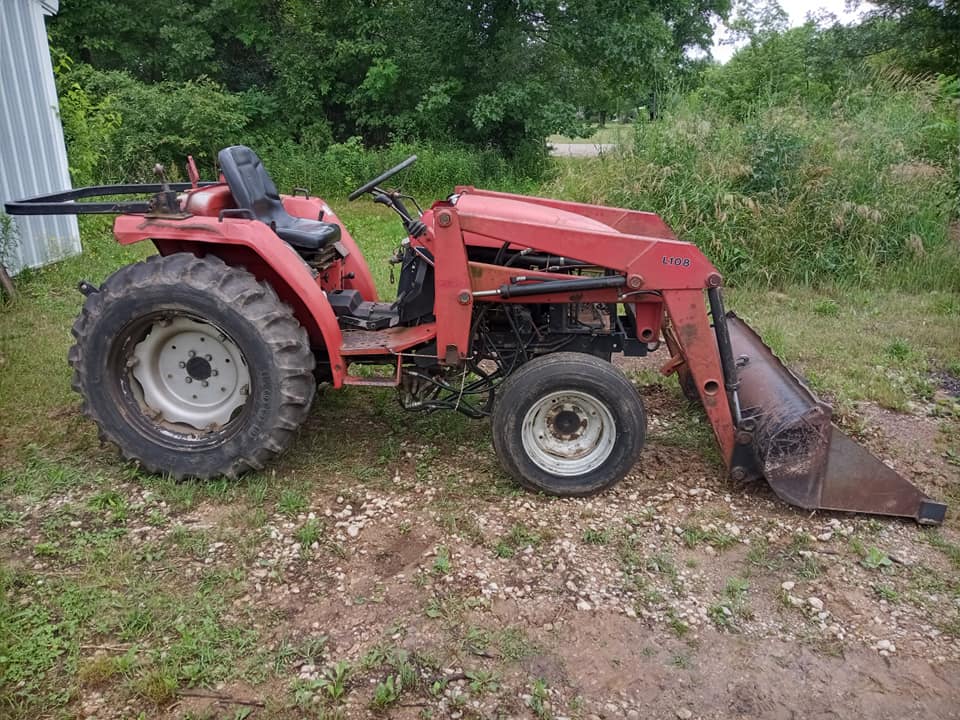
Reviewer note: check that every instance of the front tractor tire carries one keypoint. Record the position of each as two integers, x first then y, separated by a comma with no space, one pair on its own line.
192,367
568,424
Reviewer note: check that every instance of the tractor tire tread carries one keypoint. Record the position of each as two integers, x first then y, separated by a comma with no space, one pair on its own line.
234,287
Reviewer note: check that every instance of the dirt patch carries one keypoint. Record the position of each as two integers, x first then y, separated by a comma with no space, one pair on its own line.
913,445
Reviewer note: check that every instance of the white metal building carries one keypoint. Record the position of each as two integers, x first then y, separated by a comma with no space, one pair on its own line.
33,158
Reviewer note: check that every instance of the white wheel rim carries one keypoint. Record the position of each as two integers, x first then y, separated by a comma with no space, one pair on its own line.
190,372
568,433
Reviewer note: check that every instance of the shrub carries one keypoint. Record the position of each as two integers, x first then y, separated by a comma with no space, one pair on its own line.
857,196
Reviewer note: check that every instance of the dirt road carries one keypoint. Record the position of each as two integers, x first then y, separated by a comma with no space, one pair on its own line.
581,149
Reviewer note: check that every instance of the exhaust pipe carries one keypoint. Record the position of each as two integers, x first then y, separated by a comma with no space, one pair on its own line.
805,459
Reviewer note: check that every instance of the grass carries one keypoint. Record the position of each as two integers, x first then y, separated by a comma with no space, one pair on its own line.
732,608
518,538
861,196
693,536
44,638
883,346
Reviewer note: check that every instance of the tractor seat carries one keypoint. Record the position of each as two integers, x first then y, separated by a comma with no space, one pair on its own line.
253,189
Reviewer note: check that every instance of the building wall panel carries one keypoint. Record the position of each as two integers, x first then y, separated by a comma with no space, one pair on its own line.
33,159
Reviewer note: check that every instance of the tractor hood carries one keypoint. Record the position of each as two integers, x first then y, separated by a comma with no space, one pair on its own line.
485,206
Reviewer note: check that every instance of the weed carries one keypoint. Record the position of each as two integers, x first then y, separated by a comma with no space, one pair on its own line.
441,563
876,559
538,701
406,672
456,523
386,692
887,592
482,681
311,649
434,608
192,542
291,503
721,615
156,686
10,518
46,549
662,564
649,596
898,350
736,588
98,670
518,537
375,657
827,308
951,550
112,502
693,536
760,555
309,533
678,626
592,536
514,644
732,607
477,639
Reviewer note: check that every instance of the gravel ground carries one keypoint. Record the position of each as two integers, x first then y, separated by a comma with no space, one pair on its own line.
670,596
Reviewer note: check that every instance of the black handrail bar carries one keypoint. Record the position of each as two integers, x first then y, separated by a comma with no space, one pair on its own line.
63,203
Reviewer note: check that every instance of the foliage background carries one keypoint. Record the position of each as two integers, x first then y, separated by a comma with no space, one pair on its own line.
819,154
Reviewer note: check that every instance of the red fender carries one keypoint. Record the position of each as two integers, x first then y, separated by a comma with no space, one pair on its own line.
254,246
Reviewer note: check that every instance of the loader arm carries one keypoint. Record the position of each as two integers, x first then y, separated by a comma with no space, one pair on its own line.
766,421
676,273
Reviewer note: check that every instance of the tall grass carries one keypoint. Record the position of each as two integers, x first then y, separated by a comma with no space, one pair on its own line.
858,193
342,167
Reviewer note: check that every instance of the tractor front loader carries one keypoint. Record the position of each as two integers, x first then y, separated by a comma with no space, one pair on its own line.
202,361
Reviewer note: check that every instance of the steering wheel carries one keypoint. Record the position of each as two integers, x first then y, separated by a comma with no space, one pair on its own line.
380,178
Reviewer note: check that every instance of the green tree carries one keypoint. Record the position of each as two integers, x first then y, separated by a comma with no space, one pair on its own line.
498,73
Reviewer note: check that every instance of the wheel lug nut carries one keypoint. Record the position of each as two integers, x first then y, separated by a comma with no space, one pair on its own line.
188,379
191,354
183,364
204,383
208,357
215,372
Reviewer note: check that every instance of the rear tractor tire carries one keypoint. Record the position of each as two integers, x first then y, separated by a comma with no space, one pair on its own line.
192,367
568,424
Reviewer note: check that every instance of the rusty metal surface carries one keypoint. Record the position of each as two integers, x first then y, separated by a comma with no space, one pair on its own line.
805,459
856,480
385,342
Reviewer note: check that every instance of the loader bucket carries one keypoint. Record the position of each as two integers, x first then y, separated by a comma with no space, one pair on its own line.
806,460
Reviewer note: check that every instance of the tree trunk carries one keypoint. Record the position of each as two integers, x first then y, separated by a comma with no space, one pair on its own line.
6,283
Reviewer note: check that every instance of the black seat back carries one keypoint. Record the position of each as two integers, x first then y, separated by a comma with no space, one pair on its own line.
251,185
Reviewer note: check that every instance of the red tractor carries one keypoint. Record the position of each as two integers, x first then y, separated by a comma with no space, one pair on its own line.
202,361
